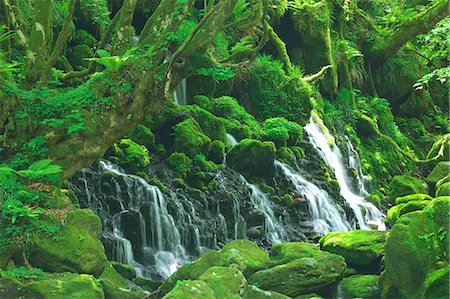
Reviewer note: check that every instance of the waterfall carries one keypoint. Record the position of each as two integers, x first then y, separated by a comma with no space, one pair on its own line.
231,140
366,213
180,94
326,214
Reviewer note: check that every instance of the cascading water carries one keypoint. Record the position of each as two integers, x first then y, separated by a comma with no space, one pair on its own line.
180,94
231,140
365,213
327,216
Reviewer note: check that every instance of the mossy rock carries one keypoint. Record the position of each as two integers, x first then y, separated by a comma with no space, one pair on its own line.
402,185
244,255
253,292
143,135
443,190
412,197
226,282
211,125
64,285
125,270
416,242
286,155
217,152
180,163
74,247
10,287
132,156
191,270
440,171
146,284
360,248
436,283
282,132
286,252
309,296
190,139
302,276
196,289
360,286
396,211
116,286
253,158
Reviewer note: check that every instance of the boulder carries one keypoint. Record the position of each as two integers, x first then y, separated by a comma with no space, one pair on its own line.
125,270
360,286
195,289
211,125
436,283
302,276
225,282
286,252
253,158
440,171
244,255
116,286
402,185
253,292
360,248
217,152
74,247
143,136
416,242
130,155
190,139
396,211
412,197
443,190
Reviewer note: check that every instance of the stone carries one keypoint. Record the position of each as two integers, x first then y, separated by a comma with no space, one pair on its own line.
286,252
196,289
125,270
360,286
225,282
402,185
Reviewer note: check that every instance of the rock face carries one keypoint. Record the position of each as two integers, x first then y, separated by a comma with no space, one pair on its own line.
302,276
402,185
76,247
414,249
253,158
361,249
360,286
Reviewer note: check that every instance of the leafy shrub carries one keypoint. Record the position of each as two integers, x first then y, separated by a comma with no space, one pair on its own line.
282,131
180,163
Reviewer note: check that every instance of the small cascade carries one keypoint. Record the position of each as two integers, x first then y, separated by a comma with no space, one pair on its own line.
355,163
366,213
180,94
231,140
327,216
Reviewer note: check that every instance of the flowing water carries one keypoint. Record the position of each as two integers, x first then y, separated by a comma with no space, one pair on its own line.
366,213
327,216
180,94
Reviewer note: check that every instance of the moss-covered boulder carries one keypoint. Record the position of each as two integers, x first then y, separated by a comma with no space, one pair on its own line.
211,125
125,270
416,242
191,270
10,287
396,211
180,163
143,135
244,255
360,248
440,171
253,158
190,139
402,185
225,282
130,155
436,283
63,285
412,197
217,152
74,247
302,276
443,190
116,286
286,252
196,289
360,286
253,292
282,132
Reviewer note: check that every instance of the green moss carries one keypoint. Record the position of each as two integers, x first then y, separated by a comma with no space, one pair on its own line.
286,155
282,132
396,211
9,287
360,248
211,125
143,136
402,185
286,252
436,284
64,285
443,190
190,139
131,155
217,152
196,289
226,282
245,256
205,165
360,286
412,197
191,270
253,158
125,270
74,248
253,292
116,286
180,163
302,276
